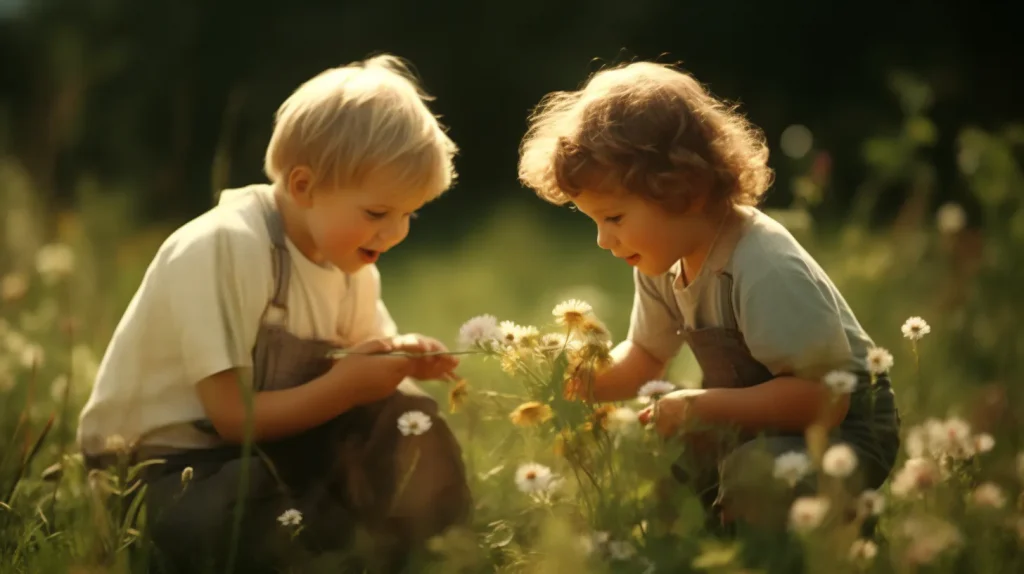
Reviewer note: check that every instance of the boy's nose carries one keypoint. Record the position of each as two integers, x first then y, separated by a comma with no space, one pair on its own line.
606,240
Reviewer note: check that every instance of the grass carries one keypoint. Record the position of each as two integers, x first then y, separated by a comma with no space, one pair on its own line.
954,509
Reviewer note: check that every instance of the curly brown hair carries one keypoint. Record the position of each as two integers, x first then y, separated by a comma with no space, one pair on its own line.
645,128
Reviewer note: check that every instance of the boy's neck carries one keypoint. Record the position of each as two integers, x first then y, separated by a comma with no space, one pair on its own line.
693,262
294,226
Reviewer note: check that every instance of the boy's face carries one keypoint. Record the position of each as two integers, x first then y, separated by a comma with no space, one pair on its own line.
351,228
641,233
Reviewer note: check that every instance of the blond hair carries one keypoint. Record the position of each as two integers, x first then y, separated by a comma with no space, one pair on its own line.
648,129
350,122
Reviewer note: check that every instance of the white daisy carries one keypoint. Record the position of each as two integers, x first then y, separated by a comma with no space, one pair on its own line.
950,218
653,390
792,467
915,328
916,475
572,312
808,512
871,503
863,550
533,478
841,382
984,442
481,331
290,517
839,461
414,423
989,494
879,360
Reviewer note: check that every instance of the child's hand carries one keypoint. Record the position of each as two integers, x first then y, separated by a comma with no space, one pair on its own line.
369,374
671,411
429,367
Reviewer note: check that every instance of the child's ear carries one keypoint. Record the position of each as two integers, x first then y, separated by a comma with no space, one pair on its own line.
300,185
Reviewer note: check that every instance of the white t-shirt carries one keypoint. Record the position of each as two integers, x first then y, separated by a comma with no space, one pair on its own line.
792,317
197,313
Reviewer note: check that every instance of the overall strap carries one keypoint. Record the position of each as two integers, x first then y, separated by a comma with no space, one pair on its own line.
281,258
717,262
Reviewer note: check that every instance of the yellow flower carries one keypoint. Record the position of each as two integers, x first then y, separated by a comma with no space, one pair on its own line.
530,413
457,396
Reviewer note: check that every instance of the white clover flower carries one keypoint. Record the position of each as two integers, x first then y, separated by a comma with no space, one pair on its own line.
572,312
871,503
533,478
929,537
653,390
808,512
984,442
792,467
951,438
621,550
863,550
950,218
841,382
55,261
290,517
879,360
414,423
915,328
917,474
481,331
989,494
839,461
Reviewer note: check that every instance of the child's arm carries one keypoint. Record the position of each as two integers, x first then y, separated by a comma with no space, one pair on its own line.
784,403
354,380
632,366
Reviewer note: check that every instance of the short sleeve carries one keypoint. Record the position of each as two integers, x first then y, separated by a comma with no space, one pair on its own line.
653,323
791,322
370,318
216,301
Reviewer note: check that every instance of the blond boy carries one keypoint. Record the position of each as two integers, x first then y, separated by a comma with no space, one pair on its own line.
247,300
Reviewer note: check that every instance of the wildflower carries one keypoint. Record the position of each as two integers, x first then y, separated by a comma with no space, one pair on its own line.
594,331
950,218
653,390
863,550
186,475
792,467
989,494
929,537
984,442
290,517
916,475
915,328
952,438
414,423
481,331
621,550
457,396
533,478
571,313
879,360
13,286
511,358
55,261
839,461
808,512
870,503
58,388
841,382
599,418
530,413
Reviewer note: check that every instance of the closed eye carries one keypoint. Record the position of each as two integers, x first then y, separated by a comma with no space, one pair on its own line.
375,214
613,219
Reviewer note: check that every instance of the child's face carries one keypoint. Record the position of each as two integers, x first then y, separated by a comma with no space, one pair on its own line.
641,233
351,228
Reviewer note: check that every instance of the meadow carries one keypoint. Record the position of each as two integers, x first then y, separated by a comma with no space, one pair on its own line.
560,485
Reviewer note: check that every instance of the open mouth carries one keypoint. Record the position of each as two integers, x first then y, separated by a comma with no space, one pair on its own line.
368,255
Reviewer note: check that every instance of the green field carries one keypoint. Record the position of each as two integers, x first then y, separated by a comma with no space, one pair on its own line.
59,306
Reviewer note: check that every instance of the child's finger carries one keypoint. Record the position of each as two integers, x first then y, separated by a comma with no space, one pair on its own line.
646,415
